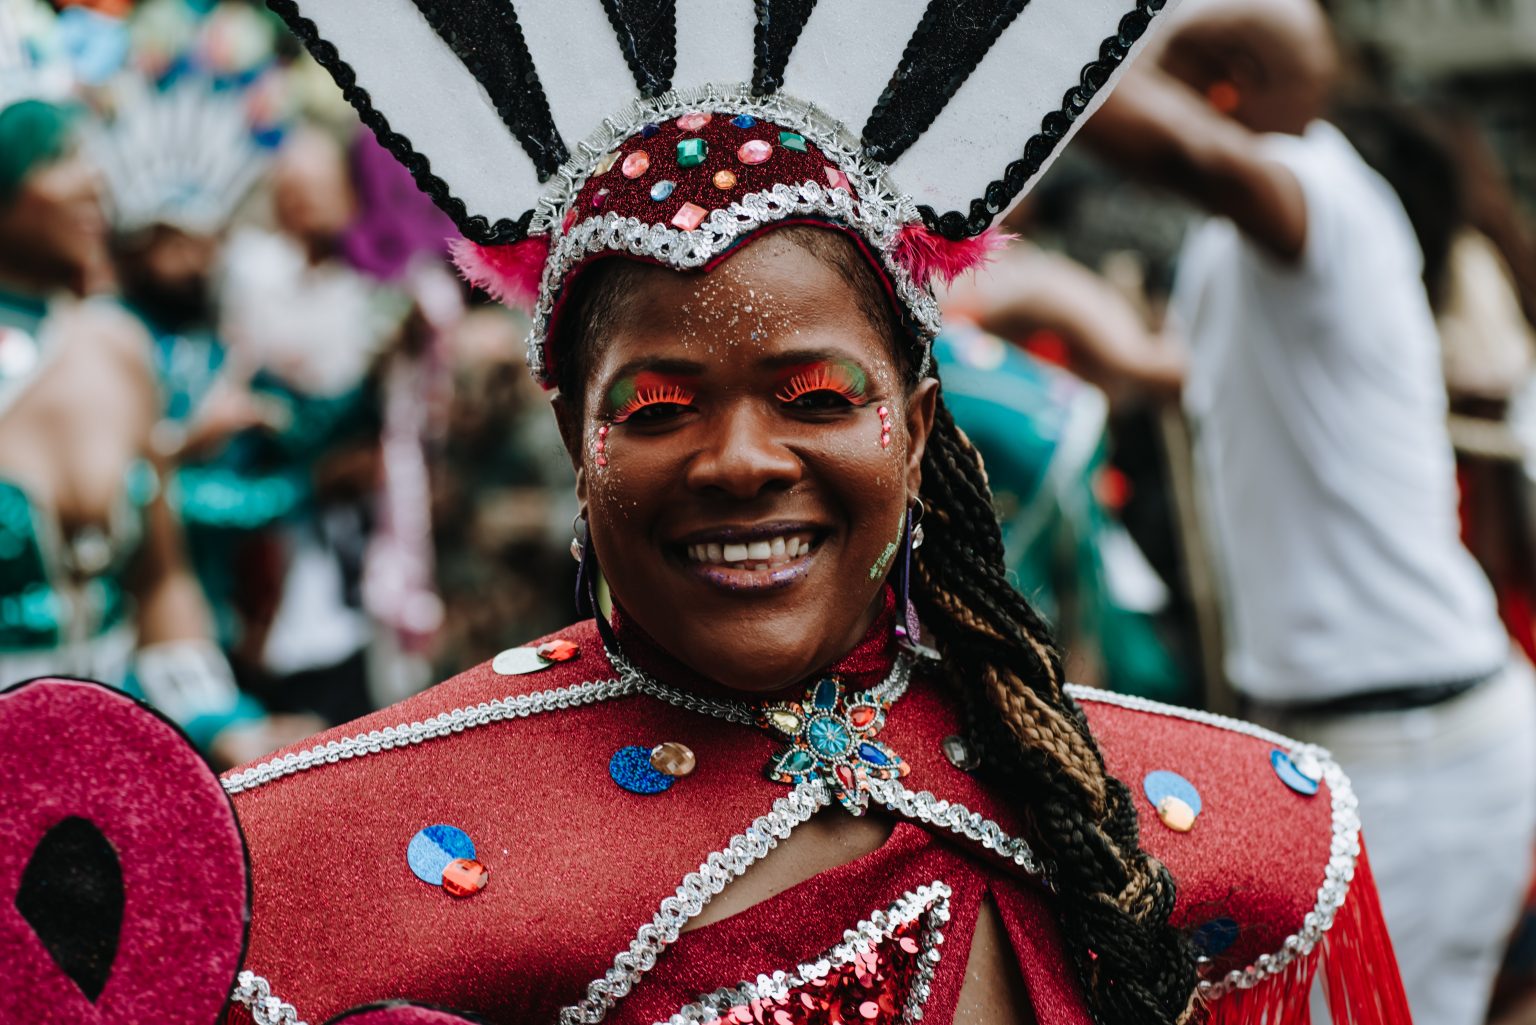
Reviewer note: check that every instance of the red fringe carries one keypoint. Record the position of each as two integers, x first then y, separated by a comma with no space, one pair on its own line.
1359,972
929,256
510,274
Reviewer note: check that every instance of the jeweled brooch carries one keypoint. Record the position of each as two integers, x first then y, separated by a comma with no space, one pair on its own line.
831,737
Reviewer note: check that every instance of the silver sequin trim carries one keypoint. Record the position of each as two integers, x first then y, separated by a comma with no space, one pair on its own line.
1342,855
696,890
456,721
878,214
930,904
255,994
954,818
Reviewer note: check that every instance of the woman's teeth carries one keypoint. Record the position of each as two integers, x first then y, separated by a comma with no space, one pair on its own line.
755,555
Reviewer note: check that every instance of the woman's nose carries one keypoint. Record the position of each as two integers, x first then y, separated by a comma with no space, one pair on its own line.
743,456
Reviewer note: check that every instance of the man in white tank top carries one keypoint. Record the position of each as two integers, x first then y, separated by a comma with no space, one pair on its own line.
1355,618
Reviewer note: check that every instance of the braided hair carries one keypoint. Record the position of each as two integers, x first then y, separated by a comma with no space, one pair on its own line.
1115,898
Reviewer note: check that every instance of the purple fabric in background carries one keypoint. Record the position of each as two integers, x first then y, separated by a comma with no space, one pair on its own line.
395,222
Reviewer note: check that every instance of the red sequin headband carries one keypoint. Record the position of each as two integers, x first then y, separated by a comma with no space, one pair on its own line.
682,179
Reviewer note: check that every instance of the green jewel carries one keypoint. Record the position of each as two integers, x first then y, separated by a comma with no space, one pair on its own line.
792,140
691,152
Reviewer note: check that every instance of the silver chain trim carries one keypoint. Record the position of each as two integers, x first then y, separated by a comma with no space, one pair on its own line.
255,994
955,818
456,721
696,890
887,692
927,903
1343,851
878,214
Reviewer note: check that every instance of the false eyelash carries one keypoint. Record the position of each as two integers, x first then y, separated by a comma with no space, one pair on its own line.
655,395
822,378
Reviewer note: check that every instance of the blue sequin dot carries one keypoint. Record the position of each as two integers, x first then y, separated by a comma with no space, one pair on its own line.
434,848
1215,937
1162,783
828,737
631,768
1290,775
662,190
744,121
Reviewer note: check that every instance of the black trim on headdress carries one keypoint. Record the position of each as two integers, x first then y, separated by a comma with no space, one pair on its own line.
1053,128
948,43
647,31
485,36
778,29
474,227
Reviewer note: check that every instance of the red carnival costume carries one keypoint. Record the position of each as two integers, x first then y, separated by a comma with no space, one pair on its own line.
516,843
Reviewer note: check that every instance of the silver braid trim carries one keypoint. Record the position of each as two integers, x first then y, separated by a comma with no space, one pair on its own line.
255,994
954,818
456,721
1344,849
696,890
930,904
877,215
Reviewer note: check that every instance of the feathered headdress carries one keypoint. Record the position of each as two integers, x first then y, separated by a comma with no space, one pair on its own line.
554,132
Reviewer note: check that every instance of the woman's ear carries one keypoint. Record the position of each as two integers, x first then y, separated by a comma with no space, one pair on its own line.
922,408
569,419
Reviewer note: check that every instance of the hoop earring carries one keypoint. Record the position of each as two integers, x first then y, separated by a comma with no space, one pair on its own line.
917,524
578,535
909,541
581,551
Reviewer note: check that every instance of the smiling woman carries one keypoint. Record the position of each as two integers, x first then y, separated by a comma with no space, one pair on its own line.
815,761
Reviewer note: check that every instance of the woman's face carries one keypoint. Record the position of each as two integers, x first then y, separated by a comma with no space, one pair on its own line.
55,226
744,491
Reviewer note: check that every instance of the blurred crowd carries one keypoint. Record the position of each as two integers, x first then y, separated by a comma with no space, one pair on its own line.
1253,382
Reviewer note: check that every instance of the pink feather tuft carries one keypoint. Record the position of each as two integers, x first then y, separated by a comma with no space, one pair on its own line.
509,274
929,256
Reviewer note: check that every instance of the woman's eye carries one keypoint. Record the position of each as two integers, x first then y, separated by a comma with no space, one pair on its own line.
820,400
655,412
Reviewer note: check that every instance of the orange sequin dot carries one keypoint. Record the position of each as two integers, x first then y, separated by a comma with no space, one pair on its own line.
465,877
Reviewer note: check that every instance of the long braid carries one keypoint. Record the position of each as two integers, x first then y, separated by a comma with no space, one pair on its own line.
1115,898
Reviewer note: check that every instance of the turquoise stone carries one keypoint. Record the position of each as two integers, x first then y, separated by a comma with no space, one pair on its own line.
798,760
828,737
662,190
792,140
873,755
691,152
826,694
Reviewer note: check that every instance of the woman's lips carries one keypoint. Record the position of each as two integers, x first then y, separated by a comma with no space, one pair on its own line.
760,564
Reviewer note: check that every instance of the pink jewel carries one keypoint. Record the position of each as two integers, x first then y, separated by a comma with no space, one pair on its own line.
693,122
689,216
754,151
636,164
836,179
599,199
885,426
602,445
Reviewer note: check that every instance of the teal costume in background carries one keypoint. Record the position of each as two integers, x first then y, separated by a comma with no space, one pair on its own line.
1041,433
65,608
259,478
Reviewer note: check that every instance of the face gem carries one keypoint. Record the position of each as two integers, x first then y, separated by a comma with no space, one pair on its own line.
754,151
694,121
636,164
662,190
691,152
673,758
465,877
689,216
744,121
725,181
792,140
